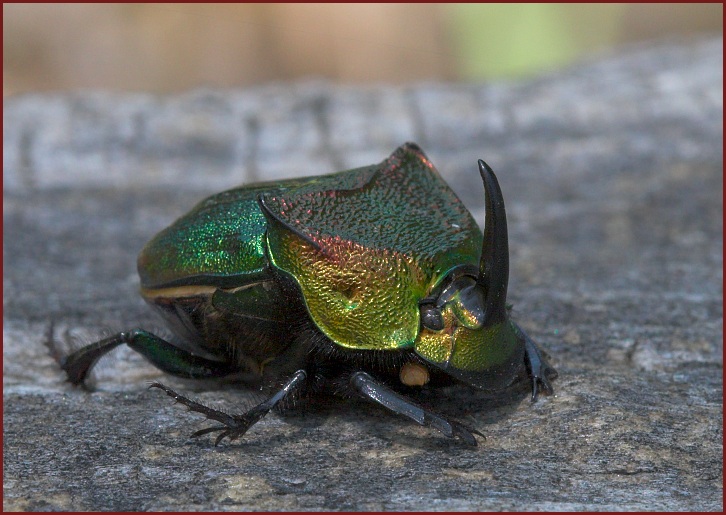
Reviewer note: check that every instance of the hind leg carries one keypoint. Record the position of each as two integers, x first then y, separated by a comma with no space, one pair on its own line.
162,354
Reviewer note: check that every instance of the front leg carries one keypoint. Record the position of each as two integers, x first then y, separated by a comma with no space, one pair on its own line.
234,426
537,365
371,389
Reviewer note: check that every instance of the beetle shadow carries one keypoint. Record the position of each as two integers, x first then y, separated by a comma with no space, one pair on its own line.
473,408
315,412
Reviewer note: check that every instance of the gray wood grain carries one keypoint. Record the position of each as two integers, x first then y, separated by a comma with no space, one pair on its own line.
612,174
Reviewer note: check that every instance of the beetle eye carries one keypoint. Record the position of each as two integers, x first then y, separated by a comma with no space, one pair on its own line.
468,306
431,317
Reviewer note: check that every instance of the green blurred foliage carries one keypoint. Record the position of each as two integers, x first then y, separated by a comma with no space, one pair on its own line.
515,40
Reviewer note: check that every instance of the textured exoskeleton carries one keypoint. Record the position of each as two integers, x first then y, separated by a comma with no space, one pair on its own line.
353,283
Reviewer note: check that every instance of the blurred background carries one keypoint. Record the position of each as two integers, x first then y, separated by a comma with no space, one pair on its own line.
174,47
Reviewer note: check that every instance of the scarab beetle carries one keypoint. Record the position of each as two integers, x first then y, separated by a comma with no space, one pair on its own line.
364,282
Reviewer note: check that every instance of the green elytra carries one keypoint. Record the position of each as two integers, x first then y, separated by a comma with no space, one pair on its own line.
364,274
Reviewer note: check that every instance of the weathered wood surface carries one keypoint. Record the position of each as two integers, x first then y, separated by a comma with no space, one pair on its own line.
612,173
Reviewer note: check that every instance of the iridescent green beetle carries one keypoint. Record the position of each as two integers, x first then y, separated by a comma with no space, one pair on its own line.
361,282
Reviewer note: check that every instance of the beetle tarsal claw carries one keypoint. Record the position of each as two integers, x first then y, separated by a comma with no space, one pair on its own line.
465,433
541,379
235,426
539,369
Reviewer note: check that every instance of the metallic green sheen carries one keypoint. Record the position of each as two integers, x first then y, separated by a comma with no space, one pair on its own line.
400,205
220,242
365,246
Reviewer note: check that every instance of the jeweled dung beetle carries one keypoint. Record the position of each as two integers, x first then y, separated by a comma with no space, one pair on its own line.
363,282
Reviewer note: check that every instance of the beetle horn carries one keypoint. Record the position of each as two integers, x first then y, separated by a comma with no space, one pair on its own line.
494,262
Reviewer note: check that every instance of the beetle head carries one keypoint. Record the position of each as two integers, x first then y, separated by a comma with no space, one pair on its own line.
465,328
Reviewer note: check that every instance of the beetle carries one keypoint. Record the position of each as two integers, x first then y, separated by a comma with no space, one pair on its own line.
365,282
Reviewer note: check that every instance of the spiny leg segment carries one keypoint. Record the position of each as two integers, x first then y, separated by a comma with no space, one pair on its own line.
234,426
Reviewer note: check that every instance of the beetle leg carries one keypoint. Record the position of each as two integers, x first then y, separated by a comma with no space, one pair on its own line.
371,389
234,426
162,354
537,365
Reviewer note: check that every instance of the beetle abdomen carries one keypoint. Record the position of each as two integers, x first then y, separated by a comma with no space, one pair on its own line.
240,325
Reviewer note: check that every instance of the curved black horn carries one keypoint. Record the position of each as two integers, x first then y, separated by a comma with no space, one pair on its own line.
494,262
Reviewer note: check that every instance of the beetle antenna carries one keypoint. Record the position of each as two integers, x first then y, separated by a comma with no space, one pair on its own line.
494,262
